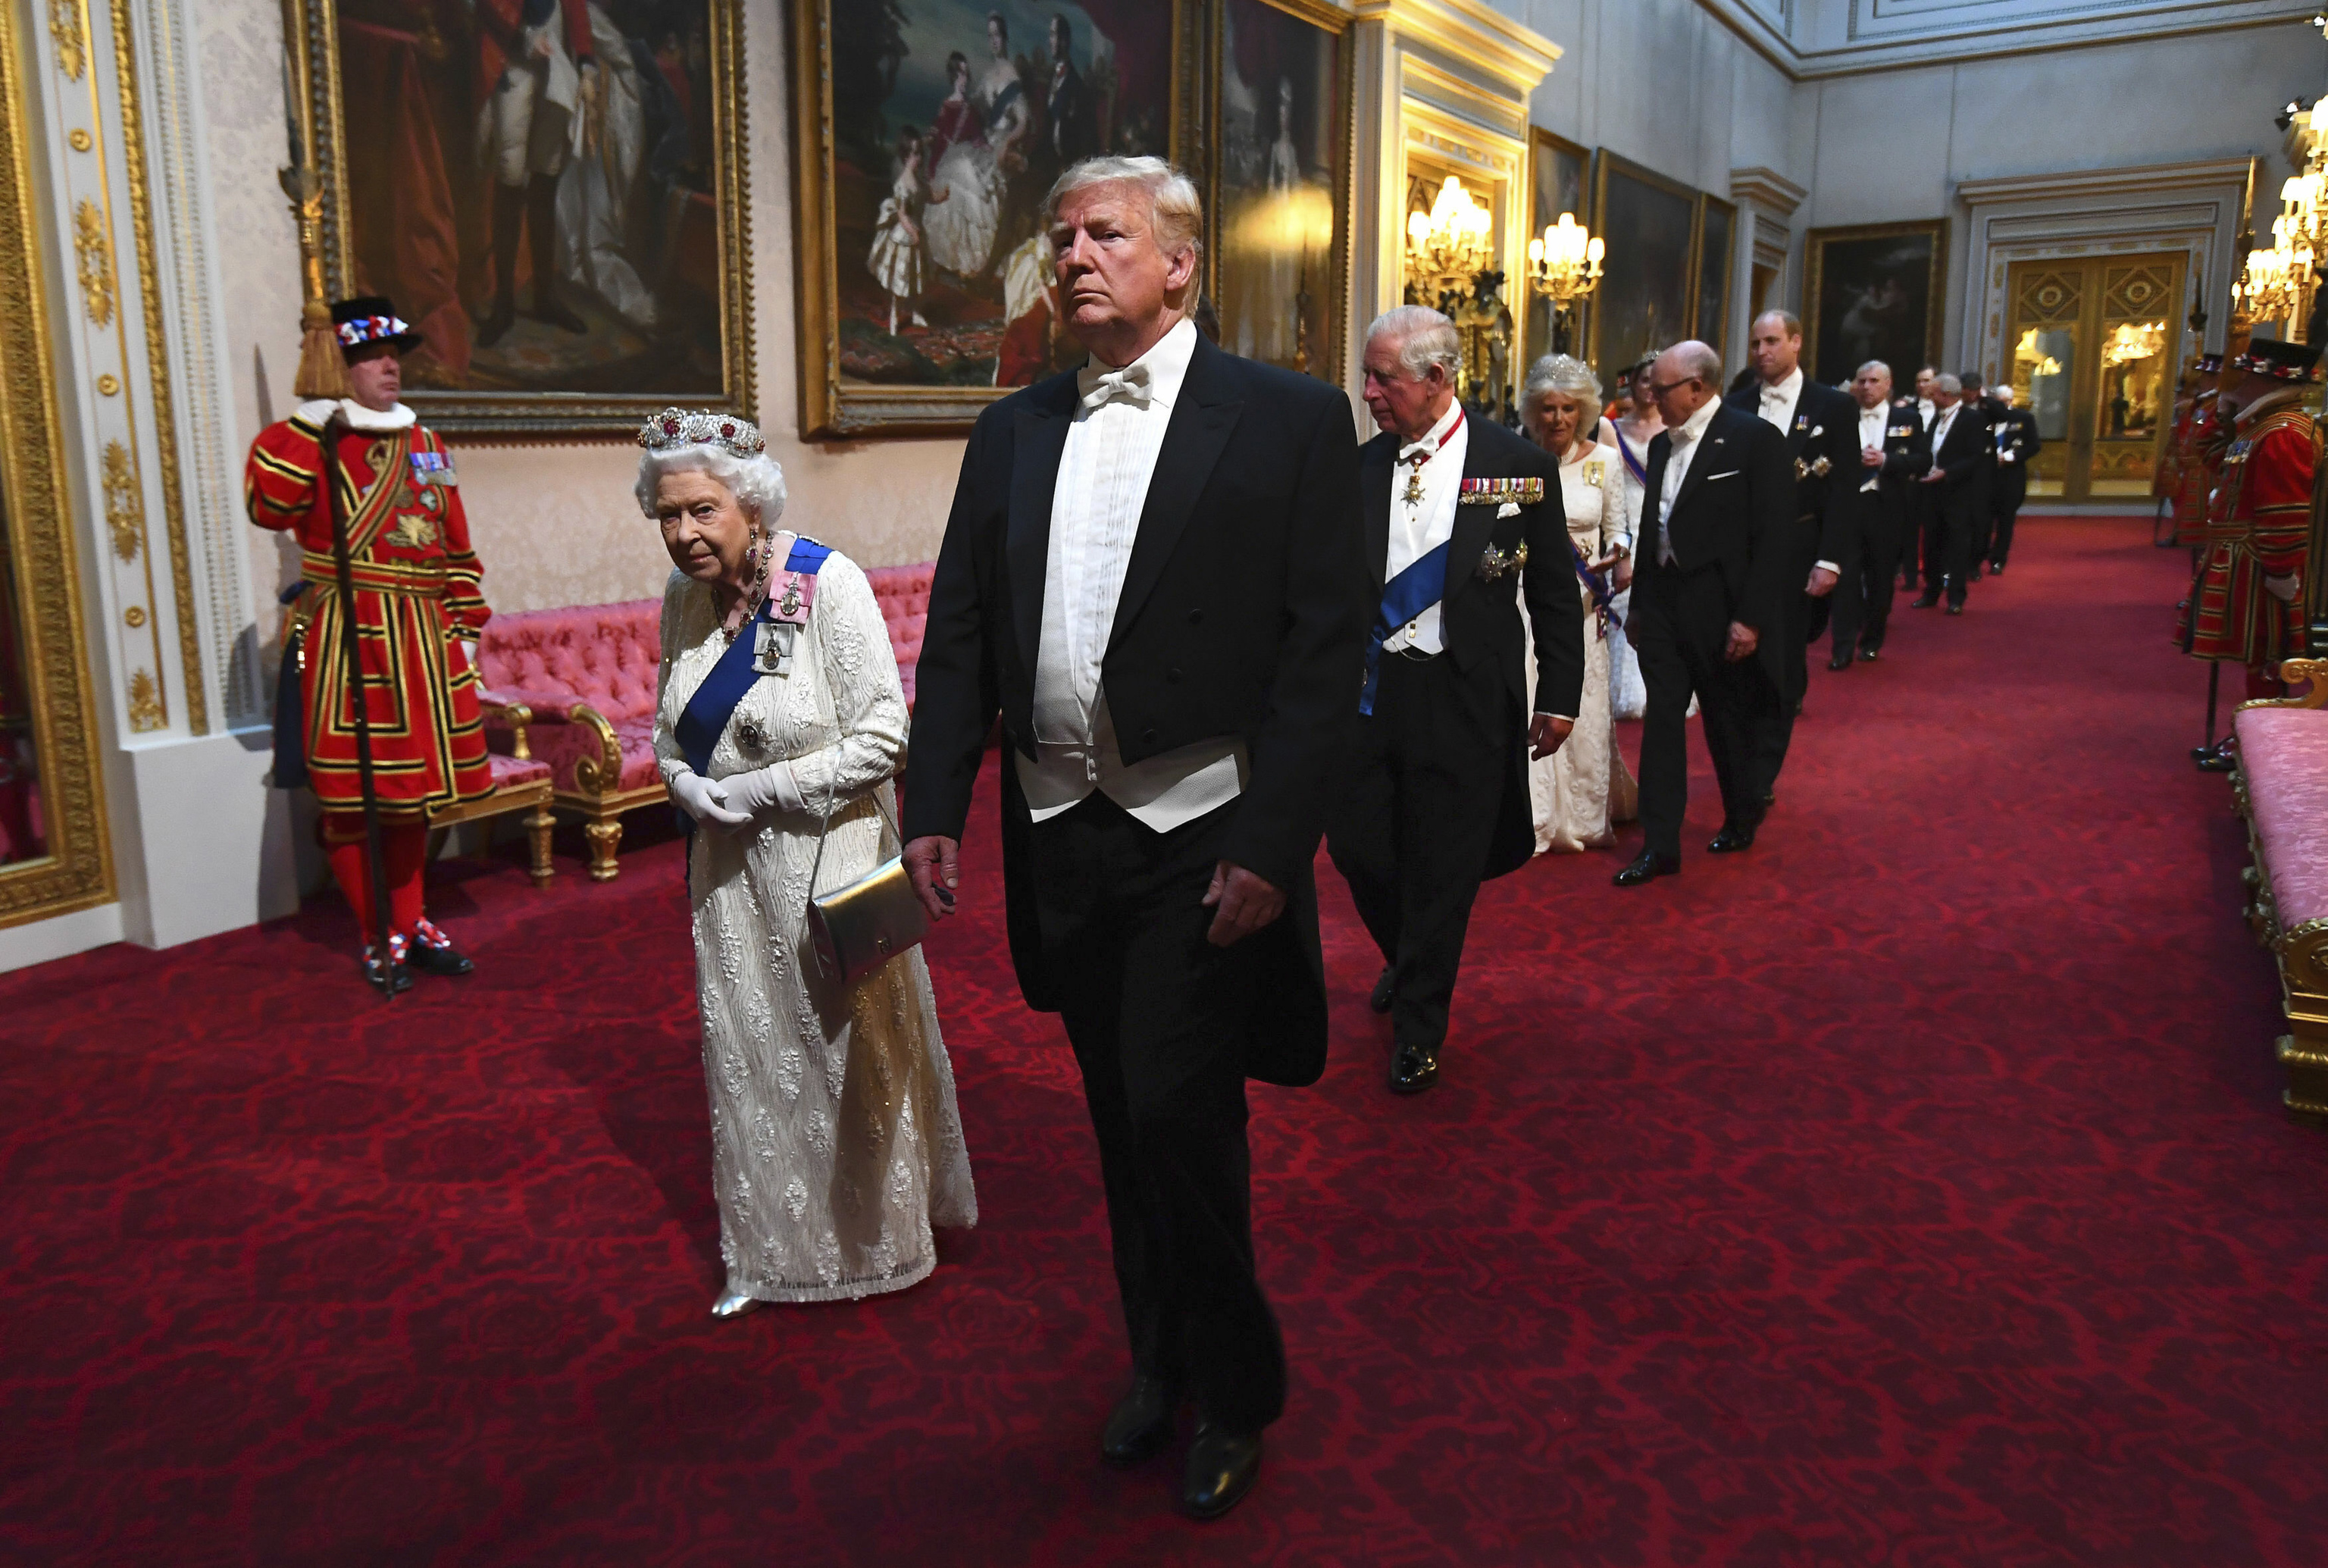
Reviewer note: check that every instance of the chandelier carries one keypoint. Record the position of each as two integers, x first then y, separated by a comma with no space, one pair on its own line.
1451,245
2303,207
2277,279
1564,264
2131,341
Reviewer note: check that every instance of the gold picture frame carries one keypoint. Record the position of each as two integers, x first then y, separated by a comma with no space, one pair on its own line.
313,35
836,402
1339,133
1840,258
35,514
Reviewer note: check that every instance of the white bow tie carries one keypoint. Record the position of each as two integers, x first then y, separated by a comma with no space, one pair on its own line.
1131,384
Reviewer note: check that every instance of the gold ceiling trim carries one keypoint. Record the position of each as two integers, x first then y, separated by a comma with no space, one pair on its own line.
35,509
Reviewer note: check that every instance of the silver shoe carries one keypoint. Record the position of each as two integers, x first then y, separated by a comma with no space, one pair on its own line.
734,1304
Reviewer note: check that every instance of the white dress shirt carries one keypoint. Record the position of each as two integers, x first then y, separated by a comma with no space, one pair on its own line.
1104,469
1418,529
1924,407
1874,424
1778,401
1684,448
1942,423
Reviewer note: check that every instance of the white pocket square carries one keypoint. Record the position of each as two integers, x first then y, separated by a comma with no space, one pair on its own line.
1730,474
1508,509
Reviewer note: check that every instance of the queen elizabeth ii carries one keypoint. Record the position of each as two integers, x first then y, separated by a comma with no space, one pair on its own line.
835,1141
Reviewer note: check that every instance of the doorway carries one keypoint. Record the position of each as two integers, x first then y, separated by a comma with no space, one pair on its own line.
2095,343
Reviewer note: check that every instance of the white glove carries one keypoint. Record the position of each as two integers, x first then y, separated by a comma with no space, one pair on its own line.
754,793
2281,588
705,801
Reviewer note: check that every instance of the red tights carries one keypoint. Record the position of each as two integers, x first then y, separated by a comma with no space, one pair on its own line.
403,847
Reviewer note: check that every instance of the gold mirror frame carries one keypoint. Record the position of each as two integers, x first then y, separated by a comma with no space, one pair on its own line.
311,37
78,870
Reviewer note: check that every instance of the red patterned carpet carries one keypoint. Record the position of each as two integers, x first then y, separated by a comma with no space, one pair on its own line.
1912,1190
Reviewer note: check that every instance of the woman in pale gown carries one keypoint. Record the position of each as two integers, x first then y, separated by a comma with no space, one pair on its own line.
1628,438
960,231
1581,790
835,1141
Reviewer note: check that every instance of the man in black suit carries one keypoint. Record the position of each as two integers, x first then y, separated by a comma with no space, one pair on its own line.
1923,528
1151,572
1068,107
2017,445
1977,398
1818,423
1715,560
1892,454
1956,491
1458,513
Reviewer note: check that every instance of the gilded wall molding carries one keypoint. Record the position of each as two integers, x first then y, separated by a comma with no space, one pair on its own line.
125,502
35,509
70,33
93,256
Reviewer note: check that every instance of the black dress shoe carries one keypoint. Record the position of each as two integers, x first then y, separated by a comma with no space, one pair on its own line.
1648,867
1380,999
1412,1070
1222,1466
1974,575
390,978
1925,602
1840,662
2220,758
1996,568
1731,840
1956,606
1140,1424
431,953
1869,655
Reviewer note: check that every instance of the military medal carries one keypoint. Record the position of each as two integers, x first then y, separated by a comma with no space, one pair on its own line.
772,647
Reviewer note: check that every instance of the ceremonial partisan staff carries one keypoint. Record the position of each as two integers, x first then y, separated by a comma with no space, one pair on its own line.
351,659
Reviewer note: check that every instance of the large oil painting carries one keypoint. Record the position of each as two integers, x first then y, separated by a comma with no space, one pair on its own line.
1645,302
1717,227
1279,190
926,283
547,189
1874,294
1559,172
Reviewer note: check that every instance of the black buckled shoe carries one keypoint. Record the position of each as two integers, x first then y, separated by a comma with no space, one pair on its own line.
1384,991
2221,757
1412,1070
431,952
1648,867
1140,1424
389,976
1222,1466
1869,655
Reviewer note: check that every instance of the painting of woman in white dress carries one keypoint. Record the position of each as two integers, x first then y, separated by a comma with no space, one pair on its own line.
1278,283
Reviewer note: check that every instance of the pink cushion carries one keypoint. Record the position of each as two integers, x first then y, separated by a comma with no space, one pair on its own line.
904,596
605,655
2284,753
509,772
563,748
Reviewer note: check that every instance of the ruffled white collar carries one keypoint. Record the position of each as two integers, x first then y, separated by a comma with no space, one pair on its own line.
356,417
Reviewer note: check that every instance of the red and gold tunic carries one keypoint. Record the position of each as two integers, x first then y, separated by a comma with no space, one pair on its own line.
415,590
2260,526
2197,459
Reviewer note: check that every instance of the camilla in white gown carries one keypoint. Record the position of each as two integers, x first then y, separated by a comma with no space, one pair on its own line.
836,1144
1580,792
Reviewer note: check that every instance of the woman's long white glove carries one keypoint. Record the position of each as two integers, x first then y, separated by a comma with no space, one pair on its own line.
706,801
754,793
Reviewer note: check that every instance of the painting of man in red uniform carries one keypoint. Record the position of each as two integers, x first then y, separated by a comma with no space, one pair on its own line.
536,178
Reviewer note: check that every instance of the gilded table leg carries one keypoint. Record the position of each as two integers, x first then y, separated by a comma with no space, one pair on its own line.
604,838
537,828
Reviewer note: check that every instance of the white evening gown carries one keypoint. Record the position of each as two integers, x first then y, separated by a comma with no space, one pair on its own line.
1579,790
1629,695
835,1141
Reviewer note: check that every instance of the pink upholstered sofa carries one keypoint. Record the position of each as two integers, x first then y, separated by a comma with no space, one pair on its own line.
2282,787
577,687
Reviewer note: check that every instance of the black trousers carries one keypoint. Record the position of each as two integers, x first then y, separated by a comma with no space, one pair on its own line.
1417,818
1963,513
1680,625
1158,1017
1863,599
2009,498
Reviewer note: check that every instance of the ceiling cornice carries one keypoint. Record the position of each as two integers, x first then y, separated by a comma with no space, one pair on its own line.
1473,32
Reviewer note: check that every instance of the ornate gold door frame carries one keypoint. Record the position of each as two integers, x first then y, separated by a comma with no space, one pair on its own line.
77,871
2091,350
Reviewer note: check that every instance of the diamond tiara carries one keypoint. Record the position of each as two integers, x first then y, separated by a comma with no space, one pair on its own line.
675,427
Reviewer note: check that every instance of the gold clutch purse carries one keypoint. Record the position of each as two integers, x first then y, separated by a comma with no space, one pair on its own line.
856,929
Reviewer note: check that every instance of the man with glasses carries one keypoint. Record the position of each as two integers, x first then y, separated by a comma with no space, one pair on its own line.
1713,560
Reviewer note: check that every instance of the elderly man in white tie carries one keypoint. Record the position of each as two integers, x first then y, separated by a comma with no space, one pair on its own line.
1151,573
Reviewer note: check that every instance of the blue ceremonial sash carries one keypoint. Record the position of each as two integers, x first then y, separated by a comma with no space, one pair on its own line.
1595,584
706,717
1405,596
1632,463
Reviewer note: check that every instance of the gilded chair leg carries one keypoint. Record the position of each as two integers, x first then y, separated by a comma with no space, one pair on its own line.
604,838
2308,1076
537,828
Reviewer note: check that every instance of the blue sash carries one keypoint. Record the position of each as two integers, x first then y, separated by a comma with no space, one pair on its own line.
1595,584
705,720
1632,463
1405,596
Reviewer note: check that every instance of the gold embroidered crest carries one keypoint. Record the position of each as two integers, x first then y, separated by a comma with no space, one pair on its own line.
414,531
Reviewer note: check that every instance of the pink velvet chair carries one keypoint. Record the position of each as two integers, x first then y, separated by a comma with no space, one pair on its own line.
2282,788
578,684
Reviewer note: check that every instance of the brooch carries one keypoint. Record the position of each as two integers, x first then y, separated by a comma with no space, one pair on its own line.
1499,563
1500,493
1818,470
750,737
